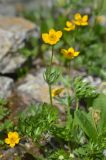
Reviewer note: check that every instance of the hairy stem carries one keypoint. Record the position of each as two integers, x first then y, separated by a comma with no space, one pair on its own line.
50,91
50,95
77,104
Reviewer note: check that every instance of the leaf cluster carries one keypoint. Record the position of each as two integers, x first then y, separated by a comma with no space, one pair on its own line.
37,121
83,89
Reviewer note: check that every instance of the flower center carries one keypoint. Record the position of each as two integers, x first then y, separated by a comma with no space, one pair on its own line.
12,140
70,54
52,37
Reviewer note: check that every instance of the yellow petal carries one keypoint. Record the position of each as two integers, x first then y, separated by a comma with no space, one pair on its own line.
71,50
73,27
67,29
68,24
64,51
17,141
59,34
52,31
12,145
85,18
45,37
84,23
15,134
78,23
52,42
77,16
7,141
57,91
10,134
76,53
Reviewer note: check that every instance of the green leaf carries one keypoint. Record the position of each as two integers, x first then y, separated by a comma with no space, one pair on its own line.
100,103
86,124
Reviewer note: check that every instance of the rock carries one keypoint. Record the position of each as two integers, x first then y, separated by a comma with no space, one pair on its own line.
10,63
6,87
14,7
13,33
35,87
93,81
5,43
18,30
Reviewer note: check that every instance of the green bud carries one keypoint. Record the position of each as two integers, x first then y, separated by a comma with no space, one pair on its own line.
51,75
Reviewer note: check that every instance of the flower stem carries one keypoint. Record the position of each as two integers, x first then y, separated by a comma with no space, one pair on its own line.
77,104
50,92
51,58
50,95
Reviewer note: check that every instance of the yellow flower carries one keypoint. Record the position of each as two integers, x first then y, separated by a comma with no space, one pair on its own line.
69,26
56,91
52,37
70,53
13,139
80,20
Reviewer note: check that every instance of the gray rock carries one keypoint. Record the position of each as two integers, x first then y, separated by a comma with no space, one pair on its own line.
5,43
93,81
7,9
35,87
18,30
10,63
13,33
6,87
14,7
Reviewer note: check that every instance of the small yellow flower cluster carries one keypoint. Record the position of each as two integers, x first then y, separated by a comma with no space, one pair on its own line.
13,139
53,36
78,21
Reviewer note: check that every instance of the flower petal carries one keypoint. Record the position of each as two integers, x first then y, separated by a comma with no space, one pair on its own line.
15,134
84,23
76,53
10,134
85,18
68,24
67,29
71,50
45,37
12,145
59,34
52,31
64,51
78,23
17,140
52,42
77,16
56,91
7,141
